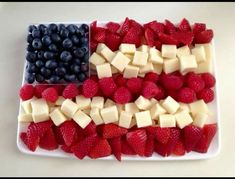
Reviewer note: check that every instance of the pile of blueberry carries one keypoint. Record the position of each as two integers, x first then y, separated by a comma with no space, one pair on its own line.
57,53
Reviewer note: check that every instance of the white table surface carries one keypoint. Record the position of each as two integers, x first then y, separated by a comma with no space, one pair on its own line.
14,19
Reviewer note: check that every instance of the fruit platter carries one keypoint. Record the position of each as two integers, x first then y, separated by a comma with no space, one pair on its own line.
119,90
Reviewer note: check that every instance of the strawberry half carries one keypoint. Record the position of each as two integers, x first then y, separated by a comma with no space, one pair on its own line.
169,27
138,28
113,41
115,144
126,148
90,129
48,141
112,130
161,134
113,26
184,25
198,27
132,37
99,34
179,148
125,27
204,36
167,39
23,137
100,149
68,131
149,148
185,38
150,37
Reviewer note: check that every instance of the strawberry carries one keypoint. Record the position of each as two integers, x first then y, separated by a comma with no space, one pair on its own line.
58,135
113,26
101,149
184,38
198,27
161,134
192,134
90,129
112,130
66,149
138,28
204,36
179,148
158,45
149,148
169,27
167,39
68,131
115,144
161,149
125,27
93,27
126,148
150,37
175,136
48,141
93,46
23,137
113,41
137,140
100,34
184,25
132,37
157,27
82,148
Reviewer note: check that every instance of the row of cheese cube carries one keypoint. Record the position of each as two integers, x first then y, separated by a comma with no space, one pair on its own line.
134,62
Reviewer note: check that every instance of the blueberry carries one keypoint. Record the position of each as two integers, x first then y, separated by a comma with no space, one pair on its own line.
45,72
66,56
53,48
67,43
30,78
84,49
71,28
31,68
48,55
55,38
42,28
60,71
37,44
46,40
36,33
61,26
47,32
77,61
85,27
52,27
30,48
84,41
70,78
85,58
31,28
51,64
81,77
75,39
75,68
64,33
79,53
84,67
31,57
54,79
39,63
39,78
29,38
40,54
80,32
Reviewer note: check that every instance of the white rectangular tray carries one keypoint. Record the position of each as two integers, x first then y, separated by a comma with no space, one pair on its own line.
213,150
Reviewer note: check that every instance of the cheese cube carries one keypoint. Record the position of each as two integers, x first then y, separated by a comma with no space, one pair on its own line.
107,54
167,120
69,107
200,119
127,48
82,102
142,103
199,53
171,65
59,101
169,51
143,119
81,119
27,117
109,103
144,48
120,61
53,108
204,67
120,108
86,111
97,102
155,56
57,117
104,70
153,101
114,70
198,106
157,68
147,68
109,114
208,50
130,56
140,58
131,108
26,105
187,63
183,119
125,119
131,71
184,106
170,105
96,59
95,116
100,47
40,110
156,110
183,51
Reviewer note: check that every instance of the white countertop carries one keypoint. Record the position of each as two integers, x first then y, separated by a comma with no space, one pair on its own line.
14,19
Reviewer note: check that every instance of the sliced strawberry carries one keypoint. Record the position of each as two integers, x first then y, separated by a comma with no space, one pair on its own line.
23,137
125,27
66,149
90,129
100,149
198,27
149,148
58,135
112,130
137,140
126,148
48,141
157,27
175,136
179,148
93,26
150,37
161,134
169,27
113,41
161,149
132,37
185,38
68,131
113,26
158,45
115,144
184,25
138,28
100,34
93,46
167,39
204,36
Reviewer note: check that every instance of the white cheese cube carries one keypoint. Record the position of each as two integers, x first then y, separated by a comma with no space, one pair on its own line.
53,108
131,71
183,51
100,47
198,106
127,48
131,108
109,103
183,119
155,56
142,103
114,70
208,50
25,117
95,116
59,101
104,70
125,119
199,53
184,106
157,68
147,68
187,63
40,110
200,119
144,48
26,105
171,65
109,114
86,111
156,110
170,105
140,58
169,51
143,119
153,101
120,61
82,102
97,102
167,120
130,56
81,119
120,108
204,67
57,117
69,107
95,59
107,54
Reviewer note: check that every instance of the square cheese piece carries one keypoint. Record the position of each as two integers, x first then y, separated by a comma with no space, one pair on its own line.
187,63
208,50
157,68
127,48
82,102
200,119
59,101
199,53
143,119
155,56
104,70
147,68
95,116
107,54
198,106
97,102
26,105
57,117
109,103
120,61
130,56
100,47
69,107
167,120
153,101
170,105
183,119
169,51
156,110
144,48
140,58
125,119
142,103
25,117
131,108
184,106
204,67
183,51
131,71
109,114
81,119
171,65
114,70
40,110
95,59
